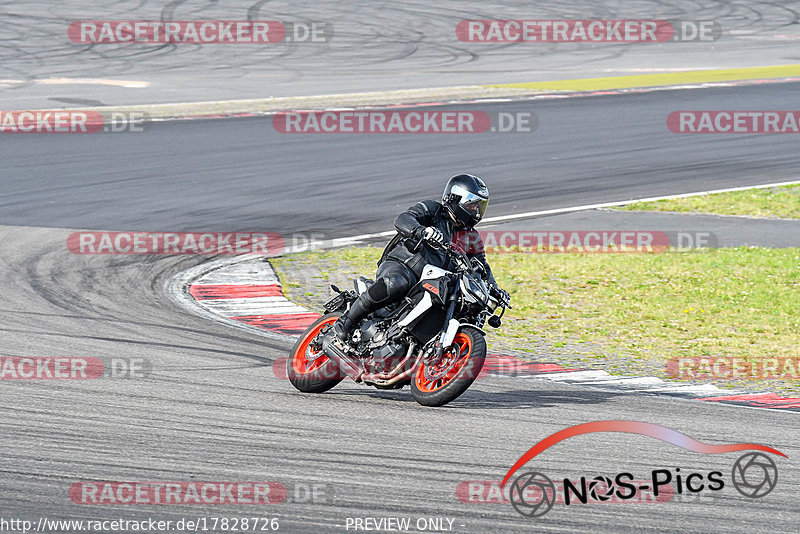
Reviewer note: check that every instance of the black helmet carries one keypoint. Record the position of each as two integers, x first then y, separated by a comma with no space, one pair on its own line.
466,197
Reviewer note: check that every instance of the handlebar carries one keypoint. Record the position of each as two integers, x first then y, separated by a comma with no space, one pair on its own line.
452,253
464,264
461,259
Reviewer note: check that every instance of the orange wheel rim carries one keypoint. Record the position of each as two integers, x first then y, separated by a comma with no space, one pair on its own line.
307,358
431,378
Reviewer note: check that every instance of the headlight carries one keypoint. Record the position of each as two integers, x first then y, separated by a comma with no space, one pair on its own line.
476,289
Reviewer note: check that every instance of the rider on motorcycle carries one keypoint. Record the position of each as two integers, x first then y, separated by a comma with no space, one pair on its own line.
463,204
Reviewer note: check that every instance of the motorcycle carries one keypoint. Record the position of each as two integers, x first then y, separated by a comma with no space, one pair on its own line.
433,339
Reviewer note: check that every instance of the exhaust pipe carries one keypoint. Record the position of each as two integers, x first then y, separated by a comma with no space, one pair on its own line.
340,358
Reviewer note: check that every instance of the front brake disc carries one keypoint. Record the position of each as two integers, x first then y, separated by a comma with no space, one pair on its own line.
437,372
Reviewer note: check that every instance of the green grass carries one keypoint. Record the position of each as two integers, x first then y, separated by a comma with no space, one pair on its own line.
775,202
732,302
661,79
639,309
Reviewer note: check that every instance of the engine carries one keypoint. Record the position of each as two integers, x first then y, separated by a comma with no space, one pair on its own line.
386,357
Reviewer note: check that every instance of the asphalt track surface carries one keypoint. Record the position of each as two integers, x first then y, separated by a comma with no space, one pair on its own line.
243,175
373,46
213,411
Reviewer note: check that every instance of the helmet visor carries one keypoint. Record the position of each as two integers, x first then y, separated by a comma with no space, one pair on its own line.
474,205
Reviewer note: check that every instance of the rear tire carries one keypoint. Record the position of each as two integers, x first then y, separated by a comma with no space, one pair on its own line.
429,390
315,375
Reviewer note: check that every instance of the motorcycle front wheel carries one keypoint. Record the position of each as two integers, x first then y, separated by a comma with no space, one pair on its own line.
440,382
308,368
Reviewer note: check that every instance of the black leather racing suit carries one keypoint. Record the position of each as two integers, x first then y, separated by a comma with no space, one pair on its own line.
400,268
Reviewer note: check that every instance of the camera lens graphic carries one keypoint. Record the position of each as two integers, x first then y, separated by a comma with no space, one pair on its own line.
754,475
532,494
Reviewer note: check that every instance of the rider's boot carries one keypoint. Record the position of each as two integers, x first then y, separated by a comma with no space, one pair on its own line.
344,325
391,284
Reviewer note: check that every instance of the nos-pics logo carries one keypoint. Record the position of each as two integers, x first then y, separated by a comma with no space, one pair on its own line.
533,494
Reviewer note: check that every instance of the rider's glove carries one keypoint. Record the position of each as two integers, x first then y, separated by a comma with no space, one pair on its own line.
433,235
503,294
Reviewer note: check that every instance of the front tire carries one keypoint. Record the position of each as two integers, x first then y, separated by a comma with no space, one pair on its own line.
436,385
309,370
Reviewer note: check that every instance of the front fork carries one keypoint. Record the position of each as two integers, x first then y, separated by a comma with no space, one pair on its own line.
449,333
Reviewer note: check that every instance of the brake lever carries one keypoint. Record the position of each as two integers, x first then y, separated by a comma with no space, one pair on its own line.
506,302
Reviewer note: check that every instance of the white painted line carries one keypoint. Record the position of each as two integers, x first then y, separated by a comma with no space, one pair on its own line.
247,272
266,302
236,282
354,240
635,381
254,308
81,81
701,389
626,202
642,384
577,376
